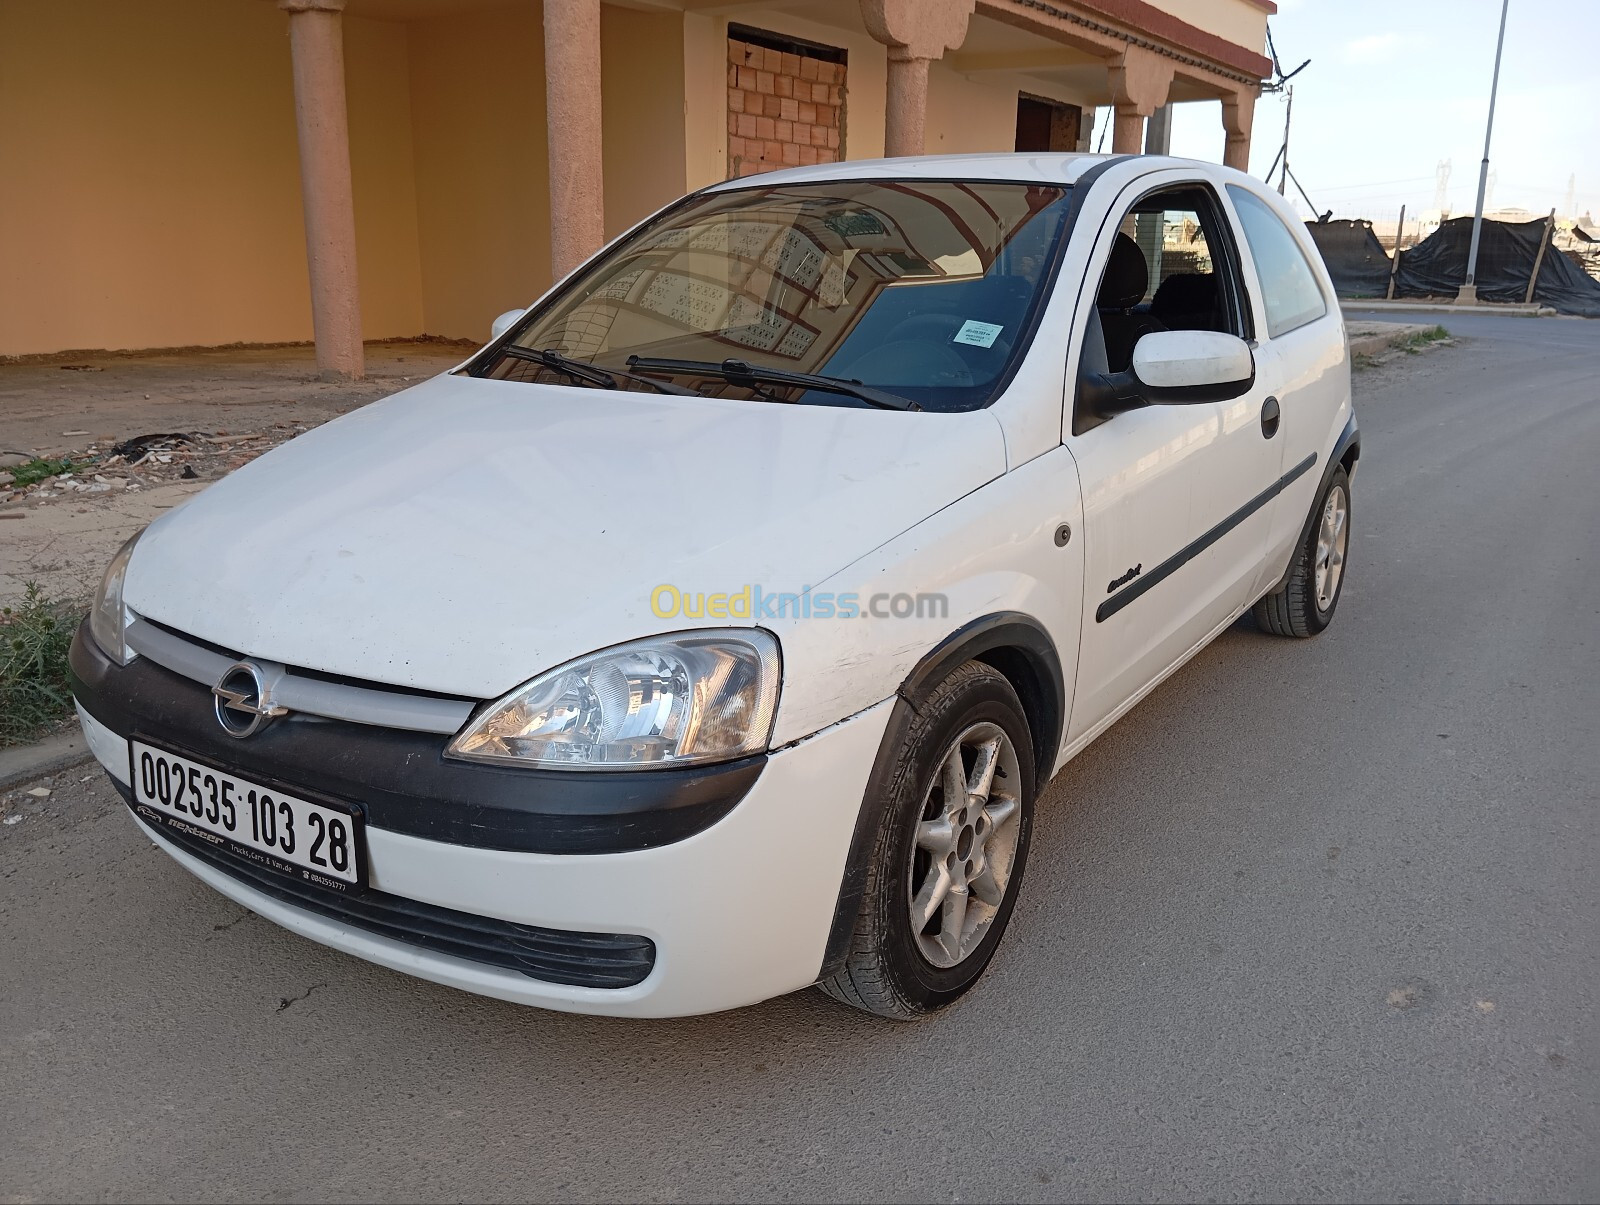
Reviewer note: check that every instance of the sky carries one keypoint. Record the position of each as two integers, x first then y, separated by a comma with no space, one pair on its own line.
1395,86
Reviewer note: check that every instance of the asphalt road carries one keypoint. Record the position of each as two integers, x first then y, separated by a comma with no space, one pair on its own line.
1317,921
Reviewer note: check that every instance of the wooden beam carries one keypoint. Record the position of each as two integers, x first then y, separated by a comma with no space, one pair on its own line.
1394,260
1538,260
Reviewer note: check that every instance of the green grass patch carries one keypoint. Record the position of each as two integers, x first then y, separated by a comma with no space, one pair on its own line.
1418,340
34,692
38,469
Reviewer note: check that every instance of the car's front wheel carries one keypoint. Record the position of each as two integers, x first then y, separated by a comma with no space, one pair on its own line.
949,856
1305,604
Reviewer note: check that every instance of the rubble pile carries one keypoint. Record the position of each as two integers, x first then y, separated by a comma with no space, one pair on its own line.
109,466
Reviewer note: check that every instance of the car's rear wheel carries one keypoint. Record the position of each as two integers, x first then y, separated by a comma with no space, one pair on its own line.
1305,604
949,856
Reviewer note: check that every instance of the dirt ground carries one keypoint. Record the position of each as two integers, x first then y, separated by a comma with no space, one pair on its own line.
225,406
56,801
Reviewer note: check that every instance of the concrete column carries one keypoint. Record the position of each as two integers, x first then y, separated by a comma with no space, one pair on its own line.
572,106
905,116
316,45
1139,80
916,32
1238,115
1127,131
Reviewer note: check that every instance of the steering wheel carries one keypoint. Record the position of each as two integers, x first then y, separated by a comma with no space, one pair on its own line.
908,362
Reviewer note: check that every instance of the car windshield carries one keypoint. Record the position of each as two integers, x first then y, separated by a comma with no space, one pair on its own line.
924,291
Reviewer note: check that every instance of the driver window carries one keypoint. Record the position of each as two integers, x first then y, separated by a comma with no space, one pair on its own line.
1172,268
1169,271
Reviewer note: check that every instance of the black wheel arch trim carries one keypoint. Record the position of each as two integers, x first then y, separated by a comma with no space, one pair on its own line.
1349,441
1013,643
1043,694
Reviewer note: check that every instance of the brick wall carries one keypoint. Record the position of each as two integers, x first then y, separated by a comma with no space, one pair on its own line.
783,109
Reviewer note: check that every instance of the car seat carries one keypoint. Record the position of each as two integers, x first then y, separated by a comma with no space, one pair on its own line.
1123,287
1187,301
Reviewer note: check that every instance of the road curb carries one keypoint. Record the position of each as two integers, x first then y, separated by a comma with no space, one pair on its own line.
1379,342
1503,308
25,762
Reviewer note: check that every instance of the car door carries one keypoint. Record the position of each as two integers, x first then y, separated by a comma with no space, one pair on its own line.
1301,349
1174,496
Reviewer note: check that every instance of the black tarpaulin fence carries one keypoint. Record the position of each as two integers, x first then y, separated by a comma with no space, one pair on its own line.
1356,260
1437,266
1506,255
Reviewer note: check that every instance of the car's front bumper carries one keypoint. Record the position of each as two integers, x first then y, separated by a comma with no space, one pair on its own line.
737,911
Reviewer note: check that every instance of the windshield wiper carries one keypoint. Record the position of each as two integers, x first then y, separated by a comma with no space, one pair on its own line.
582,370
740,372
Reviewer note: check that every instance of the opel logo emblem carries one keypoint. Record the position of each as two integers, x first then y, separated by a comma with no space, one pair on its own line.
242,703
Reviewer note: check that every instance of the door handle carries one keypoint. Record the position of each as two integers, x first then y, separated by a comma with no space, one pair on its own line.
1270,414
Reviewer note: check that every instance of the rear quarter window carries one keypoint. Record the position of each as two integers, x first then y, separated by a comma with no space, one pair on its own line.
1289,288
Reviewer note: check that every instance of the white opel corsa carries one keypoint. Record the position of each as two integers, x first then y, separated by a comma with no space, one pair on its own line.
767,569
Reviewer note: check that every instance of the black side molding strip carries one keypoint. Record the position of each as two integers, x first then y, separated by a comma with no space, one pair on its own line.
1195,547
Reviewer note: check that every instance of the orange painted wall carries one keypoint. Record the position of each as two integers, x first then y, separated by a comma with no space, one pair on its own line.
642,109
149,179
483,194
383,177
482,165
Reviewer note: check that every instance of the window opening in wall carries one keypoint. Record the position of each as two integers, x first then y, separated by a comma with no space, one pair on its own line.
786,101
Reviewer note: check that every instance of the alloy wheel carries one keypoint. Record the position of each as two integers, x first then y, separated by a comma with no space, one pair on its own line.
966,845
1333,537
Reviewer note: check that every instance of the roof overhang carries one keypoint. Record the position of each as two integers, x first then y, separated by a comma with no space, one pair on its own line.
1103,27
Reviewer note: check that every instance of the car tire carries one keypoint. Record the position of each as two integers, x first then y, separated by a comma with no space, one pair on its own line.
944,851
1310,595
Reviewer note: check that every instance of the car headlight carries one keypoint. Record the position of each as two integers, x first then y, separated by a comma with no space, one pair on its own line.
678,700
108,621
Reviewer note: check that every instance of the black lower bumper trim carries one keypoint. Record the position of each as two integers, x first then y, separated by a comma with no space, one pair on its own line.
403,782
603,960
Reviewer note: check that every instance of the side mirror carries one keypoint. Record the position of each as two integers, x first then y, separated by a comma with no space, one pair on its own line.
1174,368
1193,366
504,323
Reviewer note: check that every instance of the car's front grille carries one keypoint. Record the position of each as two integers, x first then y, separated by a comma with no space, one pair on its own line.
301,690
603,960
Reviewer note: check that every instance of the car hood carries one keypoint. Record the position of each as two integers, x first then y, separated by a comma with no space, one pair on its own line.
466,534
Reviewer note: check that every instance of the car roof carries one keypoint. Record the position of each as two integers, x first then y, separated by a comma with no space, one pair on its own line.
1023,166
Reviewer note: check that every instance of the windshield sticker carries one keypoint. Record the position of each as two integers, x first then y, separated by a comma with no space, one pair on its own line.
978,334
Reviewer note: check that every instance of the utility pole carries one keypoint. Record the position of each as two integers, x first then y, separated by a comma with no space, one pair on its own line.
1158,132
1288,113
1283,155
1469,290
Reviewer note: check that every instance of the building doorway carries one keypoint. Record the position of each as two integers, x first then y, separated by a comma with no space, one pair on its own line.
1047,125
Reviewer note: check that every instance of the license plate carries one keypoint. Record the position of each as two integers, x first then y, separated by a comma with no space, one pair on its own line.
316,842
